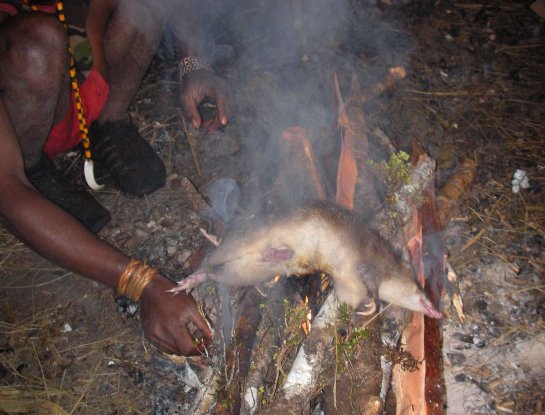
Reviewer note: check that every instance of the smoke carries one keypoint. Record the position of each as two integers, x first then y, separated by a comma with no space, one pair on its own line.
279,57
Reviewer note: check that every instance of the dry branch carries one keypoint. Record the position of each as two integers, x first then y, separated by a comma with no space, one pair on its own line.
267,343
394,75
453,189
303,376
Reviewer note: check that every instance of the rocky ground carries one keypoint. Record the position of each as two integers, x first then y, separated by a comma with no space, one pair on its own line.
475,89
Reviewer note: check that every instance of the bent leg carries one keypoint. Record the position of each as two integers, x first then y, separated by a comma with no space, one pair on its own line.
33,78
132,37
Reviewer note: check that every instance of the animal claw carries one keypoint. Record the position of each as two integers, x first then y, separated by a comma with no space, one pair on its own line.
371,308
176,290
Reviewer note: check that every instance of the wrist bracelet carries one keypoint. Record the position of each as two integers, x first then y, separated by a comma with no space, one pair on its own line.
190,64
134,279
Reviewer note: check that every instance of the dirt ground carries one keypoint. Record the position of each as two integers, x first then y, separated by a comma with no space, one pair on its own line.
475,88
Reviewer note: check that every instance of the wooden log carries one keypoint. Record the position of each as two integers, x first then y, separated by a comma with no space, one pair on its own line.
423,391
398,214
303,376
265,347
239,354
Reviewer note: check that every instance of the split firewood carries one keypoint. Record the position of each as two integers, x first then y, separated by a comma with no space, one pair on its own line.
422,391
267,344
356,187
316,349
300,173
239,353
206,395
347,172
456,296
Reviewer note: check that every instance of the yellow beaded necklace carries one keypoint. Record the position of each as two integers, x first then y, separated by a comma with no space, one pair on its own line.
88,169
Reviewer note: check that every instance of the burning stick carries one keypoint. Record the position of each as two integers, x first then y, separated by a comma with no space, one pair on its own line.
347,173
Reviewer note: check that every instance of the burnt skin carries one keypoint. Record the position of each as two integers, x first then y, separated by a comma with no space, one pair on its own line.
322,237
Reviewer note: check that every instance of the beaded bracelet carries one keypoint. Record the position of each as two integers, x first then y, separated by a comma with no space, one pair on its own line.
135,277
190,64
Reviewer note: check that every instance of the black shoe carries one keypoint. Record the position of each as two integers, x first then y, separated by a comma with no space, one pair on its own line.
77,202
119,148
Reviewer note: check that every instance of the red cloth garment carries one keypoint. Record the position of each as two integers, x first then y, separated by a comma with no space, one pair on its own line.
93,90
65,134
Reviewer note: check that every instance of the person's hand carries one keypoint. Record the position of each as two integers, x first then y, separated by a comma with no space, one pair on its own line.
165,318
196,86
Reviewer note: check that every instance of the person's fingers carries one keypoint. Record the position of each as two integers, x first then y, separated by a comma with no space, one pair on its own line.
192,112
222,111
202,324
185,342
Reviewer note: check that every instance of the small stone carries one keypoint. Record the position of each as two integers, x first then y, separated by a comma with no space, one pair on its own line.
456,359
183,256
67,328
466,338
171,241
461,378
478,341
141,233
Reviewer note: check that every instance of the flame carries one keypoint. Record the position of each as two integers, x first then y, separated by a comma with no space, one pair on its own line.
306,325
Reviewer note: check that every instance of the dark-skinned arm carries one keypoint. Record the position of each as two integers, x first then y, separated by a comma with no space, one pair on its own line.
59,237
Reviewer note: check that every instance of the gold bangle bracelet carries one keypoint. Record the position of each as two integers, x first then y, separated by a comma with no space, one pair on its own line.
135,277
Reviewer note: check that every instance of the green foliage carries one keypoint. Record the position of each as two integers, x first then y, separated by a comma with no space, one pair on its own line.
261,391
394,173
294,316
345,313
348,336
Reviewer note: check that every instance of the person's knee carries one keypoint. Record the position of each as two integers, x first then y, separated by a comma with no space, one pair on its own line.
144,16
34,48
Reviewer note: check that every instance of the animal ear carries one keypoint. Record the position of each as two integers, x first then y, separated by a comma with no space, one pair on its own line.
278,254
